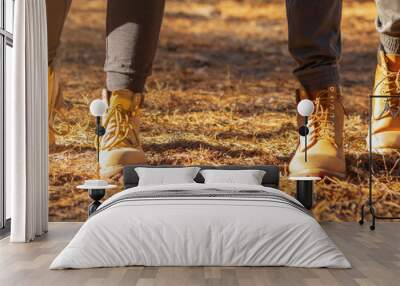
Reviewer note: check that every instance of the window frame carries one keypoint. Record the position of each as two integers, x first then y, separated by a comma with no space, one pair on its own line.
6,39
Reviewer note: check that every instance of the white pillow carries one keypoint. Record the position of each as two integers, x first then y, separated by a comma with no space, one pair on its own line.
248,177
166,176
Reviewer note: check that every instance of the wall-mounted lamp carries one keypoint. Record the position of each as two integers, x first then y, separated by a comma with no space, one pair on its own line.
97,109
305,108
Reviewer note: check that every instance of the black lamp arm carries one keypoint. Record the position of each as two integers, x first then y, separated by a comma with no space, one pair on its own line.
100,131
305,137
303,131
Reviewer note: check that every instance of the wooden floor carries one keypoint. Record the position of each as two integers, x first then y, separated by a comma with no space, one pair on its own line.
375,257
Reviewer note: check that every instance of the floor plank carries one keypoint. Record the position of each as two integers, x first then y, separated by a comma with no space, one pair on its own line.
375,257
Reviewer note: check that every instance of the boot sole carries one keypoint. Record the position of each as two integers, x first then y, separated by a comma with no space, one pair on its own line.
111,171
385,151
382,139
322,173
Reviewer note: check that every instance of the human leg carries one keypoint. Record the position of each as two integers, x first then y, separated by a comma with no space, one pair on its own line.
133,29
386,111
315,44
56,11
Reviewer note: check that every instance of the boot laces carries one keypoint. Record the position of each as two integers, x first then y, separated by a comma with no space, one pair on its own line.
119,124
322,120
390,86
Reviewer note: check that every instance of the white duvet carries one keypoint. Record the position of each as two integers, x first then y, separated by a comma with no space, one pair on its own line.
200,231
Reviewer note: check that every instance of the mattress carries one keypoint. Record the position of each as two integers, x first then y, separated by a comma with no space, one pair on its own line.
201,225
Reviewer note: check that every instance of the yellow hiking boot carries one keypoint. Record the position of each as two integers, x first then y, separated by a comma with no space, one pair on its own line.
120,144
386,111
325,154
55,102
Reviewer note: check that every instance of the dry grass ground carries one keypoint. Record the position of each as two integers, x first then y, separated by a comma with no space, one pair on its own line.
221,93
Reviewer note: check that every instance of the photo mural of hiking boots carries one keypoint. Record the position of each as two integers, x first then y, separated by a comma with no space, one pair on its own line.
386,111
120,144
325,154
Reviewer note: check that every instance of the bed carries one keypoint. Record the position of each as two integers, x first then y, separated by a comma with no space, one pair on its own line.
198,224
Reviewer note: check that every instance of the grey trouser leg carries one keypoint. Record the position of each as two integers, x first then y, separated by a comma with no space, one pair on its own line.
315,41
57,11
133,28
388,25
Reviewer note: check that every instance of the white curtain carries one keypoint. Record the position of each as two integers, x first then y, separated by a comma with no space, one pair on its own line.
26,124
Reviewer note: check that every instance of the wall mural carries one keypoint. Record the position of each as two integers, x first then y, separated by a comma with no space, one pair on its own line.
221,92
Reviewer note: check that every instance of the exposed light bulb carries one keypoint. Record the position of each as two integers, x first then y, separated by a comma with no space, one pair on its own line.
98,107
305,107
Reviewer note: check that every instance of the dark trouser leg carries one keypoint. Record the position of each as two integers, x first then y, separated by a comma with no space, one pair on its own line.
57,11
133,28
315,41
388,25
